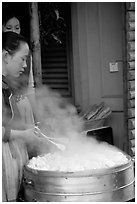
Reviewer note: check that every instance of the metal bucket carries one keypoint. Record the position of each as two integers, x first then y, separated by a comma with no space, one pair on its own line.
103,185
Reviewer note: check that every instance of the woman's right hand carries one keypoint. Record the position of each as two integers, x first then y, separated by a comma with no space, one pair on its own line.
36,144
30,136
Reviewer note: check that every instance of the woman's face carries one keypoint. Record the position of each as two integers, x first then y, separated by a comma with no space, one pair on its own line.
17,63
13,25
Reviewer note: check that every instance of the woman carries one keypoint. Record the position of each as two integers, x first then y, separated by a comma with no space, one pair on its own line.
23,86
15,137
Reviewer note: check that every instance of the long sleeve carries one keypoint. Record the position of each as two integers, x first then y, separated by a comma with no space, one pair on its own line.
6,112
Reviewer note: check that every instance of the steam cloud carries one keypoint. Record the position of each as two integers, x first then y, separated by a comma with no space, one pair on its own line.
59,115
61,119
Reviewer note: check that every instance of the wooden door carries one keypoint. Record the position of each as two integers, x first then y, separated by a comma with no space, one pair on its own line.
111,65
97,36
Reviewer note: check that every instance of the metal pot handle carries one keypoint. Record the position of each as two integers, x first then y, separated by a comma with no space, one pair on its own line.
34,200
28,182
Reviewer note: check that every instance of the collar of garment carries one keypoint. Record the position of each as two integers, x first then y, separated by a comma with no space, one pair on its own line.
5,86
4,82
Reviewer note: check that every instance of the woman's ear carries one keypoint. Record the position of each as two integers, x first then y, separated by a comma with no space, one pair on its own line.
5,56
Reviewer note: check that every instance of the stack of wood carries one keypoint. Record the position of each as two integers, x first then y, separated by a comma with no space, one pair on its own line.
130,21
97,112
95,115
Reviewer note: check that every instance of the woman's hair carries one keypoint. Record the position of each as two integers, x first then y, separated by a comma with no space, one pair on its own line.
19,11
11,42
8,13
6,18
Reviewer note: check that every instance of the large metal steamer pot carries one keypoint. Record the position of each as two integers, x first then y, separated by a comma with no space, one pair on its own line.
102,185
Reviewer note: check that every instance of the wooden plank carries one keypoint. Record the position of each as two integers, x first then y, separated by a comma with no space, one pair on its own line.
55,65
131,134
131,123
131,65
57,86
131,94
56,76
130,16
131,85
130,6
131,46
56,81
54,70
131,75
131,35
130,26
53,59
131,103
131,112
35,41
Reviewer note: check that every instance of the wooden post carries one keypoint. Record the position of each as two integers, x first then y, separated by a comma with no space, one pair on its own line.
35,42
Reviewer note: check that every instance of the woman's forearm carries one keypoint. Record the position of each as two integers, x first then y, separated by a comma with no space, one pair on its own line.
17,134
28,136
3,132
12,134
